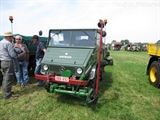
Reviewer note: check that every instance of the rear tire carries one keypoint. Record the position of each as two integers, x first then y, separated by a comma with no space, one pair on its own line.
154,74
101,74
111,62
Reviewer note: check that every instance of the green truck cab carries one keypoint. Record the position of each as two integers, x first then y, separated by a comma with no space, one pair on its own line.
74,62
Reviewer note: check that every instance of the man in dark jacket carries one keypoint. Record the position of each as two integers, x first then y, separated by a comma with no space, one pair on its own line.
39,56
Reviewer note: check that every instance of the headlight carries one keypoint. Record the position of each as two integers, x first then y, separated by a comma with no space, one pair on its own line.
79,70
45,67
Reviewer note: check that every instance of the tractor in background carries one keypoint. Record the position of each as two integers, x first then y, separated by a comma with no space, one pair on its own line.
117,46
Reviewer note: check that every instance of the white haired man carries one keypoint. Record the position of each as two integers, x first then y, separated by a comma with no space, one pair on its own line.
22,73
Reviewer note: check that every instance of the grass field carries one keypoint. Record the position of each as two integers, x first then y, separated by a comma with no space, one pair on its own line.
125,94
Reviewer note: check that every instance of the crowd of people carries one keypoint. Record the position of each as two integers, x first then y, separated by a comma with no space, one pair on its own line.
14,59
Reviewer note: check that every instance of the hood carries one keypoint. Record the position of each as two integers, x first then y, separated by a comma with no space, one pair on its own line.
67,56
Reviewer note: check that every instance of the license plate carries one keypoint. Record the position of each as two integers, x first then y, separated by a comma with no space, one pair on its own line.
60,78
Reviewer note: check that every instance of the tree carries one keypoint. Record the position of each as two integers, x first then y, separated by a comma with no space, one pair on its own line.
113,41
140,45
125,41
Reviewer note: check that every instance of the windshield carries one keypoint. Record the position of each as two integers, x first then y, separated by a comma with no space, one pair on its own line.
72,38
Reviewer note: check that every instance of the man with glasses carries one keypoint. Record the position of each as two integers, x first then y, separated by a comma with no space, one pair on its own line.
7,54
22,73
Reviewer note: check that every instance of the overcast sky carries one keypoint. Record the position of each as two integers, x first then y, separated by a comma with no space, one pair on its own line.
135,20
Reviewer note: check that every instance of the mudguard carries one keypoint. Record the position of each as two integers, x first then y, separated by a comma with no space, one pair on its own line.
93,72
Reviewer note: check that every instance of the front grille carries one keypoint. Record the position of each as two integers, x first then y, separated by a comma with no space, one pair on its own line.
58,69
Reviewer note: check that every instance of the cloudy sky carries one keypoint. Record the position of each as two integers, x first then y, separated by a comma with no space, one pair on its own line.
135,20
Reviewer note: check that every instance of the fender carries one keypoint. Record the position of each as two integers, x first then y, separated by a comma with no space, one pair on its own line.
153,58
93,72
109,58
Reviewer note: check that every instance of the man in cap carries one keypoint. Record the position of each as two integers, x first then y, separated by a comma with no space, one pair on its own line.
7,54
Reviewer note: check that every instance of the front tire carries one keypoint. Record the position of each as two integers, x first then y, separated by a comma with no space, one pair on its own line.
93,97
154,74
47,86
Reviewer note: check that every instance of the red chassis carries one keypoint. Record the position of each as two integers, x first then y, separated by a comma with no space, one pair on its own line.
51,78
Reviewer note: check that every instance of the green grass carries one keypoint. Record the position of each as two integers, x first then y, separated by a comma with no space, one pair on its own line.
125,94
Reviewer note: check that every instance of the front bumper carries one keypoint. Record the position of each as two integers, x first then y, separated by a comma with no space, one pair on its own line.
51,78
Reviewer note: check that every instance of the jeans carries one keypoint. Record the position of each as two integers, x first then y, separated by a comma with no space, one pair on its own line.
22,73
38,70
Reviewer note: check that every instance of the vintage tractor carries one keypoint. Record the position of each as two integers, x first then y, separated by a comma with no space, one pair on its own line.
74,62
117,46
153,68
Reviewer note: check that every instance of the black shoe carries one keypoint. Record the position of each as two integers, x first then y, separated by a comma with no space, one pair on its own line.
27,84
40,85
22,86
11,98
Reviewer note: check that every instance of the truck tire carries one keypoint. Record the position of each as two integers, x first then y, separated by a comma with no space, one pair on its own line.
154,74
111,62
92,98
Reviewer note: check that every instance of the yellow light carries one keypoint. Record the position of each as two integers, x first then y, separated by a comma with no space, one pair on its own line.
105,20
10,17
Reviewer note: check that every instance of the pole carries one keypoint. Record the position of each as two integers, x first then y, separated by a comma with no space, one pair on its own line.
101,23
12,28
11,19
105,36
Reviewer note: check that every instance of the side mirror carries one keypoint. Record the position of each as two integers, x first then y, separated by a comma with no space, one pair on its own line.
99,25
40,32
104,33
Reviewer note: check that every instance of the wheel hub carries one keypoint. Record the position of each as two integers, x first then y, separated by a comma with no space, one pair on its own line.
153,74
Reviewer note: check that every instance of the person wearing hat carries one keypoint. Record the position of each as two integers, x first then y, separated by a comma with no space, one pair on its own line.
7,55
